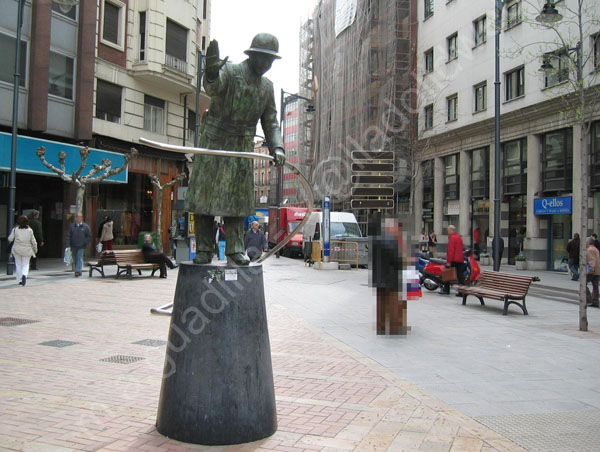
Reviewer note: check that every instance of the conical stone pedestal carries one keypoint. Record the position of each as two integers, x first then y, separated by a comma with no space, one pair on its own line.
218,379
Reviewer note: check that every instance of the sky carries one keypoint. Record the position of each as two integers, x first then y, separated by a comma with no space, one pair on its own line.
235,22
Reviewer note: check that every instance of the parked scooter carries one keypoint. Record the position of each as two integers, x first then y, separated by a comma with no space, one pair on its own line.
431,276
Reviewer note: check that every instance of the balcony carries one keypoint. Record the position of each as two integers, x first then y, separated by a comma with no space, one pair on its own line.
175,63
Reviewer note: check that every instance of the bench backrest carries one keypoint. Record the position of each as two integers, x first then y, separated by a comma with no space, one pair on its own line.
505,282
129,257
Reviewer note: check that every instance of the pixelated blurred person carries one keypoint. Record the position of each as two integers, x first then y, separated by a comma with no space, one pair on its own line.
388,252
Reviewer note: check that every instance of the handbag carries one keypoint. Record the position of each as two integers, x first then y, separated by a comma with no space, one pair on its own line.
449,274
99,247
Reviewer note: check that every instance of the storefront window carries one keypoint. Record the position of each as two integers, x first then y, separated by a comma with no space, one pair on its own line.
481,225
129,205
557,161
514,167
427,169
517,221
451,183
480,173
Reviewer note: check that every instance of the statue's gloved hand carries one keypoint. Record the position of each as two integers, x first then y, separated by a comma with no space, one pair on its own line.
213,62
279,157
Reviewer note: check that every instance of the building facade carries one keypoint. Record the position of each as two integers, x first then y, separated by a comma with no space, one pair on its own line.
539,142
262,177
102,73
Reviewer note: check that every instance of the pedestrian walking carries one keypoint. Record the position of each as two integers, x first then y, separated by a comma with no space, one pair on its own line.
24,246
78,238
596,242
155,257
36,226
220,238
105,233
454,258
432,243
255,242
573,251
592,272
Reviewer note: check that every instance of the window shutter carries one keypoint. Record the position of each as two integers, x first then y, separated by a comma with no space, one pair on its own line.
176,40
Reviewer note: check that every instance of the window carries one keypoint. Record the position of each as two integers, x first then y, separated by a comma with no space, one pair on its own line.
596,47
66,11
559,71
429,61
452,103
113,23
108,101
176,46
452,42
513,14
515,83
480,32
557,161
514,167
451,188
204,7
480,173
191,125
480,96
428,8
428,117
7,68
142,35
154,113
61,75
427,169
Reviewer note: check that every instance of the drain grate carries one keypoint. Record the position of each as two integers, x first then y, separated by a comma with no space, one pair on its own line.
151,342
13,321
58,343
122,359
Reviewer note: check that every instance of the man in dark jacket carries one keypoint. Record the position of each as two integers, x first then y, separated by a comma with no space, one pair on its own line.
573,251
36,225
454,257
78,238
255,242
154,257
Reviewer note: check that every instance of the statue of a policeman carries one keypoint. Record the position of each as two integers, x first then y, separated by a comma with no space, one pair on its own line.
224,186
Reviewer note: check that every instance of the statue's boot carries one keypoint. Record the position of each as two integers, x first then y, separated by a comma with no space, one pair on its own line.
203,257
237,259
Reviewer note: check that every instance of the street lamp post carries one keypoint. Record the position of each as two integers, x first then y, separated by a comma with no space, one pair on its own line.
497,161
10,264
286,98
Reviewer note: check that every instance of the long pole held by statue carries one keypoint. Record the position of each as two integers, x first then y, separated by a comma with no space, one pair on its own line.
15,119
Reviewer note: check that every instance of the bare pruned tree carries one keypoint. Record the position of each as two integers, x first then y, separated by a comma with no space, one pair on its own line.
156,182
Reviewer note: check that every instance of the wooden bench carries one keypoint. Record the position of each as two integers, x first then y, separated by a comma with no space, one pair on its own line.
500,286
105,258
129,260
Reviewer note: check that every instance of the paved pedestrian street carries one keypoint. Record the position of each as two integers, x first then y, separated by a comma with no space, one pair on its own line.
81,365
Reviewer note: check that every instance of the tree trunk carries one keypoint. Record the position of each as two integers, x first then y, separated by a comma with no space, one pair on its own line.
159,219
79,201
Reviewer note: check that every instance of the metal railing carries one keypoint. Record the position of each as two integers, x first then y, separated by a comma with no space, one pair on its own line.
342,251
176,63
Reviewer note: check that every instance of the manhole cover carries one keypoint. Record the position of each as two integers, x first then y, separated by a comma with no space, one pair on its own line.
13,321
122,359
58,343
151,342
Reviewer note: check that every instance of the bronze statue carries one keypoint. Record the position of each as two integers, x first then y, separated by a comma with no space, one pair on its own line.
240,97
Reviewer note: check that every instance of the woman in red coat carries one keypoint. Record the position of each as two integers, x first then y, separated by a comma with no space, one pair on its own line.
454,257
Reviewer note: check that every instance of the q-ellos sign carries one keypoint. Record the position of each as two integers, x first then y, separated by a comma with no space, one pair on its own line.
553,206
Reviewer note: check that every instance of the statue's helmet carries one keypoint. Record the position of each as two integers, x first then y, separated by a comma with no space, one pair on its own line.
264,43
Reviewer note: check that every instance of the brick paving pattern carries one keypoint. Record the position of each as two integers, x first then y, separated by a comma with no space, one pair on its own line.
329,396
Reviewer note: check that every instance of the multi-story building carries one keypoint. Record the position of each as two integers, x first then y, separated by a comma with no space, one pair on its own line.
362,83
262,174
145,86
540,150
290,127
101,73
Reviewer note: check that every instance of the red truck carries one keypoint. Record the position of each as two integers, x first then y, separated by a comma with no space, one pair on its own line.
289,218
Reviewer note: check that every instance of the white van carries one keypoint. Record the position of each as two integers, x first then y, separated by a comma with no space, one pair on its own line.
343,227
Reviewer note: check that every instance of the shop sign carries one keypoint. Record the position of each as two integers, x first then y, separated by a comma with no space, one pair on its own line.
553,206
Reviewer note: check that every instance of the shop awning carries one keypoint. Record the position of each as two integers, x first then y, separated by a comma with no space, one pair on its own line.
28,161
